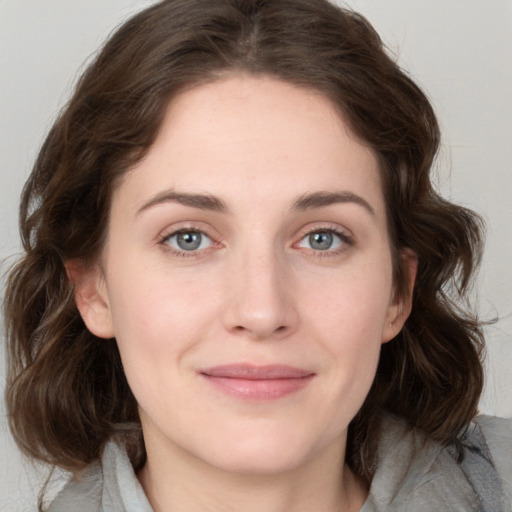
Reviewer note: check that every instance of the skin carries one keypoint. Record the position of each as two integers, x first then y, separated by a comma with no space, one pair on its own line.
256,291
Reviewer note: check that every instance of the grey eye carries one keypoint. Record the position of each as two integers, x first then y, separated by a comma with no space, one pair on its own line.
189,241
321,240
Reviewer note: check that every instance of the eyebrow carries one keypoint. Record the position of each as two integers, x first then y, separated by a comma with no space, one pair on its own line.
201,201
211,203
321,199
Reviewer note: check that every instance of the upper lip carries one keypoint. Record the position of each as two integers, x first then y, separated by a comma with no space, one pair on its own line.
255,372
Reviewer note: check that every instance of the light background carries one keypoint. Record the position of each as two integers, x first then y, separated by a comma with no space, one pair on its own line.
460,51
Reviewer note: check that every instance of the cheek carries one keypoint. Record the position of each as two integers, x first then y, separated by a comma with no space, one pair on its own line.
159,316
351,306
156,326
153,298
348,316
351,328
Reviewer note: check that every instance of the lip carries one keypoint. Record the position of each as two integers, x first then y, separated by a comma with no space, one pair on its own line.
257,383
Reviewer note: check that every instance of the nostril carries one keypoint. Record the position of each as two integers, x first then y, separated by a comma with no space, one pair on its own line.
260,332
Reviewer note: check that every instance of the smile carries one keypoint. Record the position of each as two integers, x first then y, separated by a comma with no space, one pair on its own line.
257,383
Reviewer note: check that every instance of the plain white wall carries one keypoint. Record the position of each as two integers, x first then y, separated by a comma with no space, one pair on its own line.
459,51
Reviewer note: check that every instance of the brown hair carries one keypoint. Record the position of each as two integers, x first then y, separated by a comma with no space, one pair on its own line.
67,393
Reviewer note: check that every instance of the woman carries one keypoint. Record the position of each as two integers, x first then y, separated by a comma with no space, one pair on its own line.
233,295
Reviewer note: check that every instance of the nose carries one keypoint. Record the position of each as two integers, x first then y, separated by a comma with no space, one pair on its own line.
260,300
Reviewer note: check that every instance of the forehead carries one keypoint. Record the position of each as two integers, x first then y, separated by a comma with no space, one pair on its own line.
248,137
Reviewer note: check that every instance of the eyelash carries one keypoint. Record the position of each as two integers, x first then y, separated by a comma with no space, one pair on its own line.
164,242
346,239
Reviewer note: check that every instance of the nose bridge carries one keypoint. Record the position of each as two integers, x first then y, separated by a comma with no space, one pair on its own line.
260,303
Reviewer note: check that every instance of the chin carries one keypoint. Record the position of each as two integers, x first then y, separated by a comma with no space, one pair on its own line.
259,462
263,453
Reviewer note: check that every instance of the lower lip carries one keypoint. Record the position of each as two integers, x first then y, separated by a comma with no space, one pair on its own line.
256,389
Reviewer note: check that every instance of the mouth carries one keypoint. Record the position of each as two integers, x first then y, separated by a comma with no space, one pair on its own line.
257,383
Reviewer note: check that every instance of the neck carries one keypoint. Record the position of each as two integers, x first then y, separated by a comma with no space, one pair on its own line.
176,480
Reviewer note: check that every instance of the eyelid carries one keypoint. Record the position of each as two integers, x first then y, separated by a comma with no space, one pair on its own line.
344,234
186,227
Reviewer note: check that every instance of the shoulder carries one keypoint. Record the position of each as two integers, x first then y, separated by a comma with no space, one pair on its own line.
415,473
106,486
497,435
81,493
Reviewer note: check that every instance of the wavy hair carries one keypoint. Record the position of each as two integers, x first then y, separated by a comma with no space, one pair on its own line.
66,391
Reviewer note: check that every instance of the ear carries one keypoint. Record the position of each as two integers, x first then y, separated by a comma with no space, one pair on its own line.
400,307
91,297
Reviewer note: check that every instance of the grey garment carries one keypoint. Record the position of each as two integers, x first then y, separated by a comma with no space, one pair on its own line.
414,474
109,486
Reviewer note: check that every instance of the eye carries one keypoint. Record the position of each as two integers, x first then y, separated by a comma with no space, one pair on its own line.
324,240
188,241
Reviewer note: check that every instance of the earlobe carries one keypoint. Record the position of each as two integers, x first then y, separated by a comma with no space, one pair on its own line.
401,307
91,297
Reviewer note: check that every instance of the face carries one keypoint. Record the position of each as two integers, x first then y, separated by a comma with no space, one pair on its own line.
247,277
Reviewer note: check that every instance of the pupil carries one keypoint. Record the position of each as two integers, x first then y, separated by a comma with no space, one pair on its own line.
321,241
189,241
